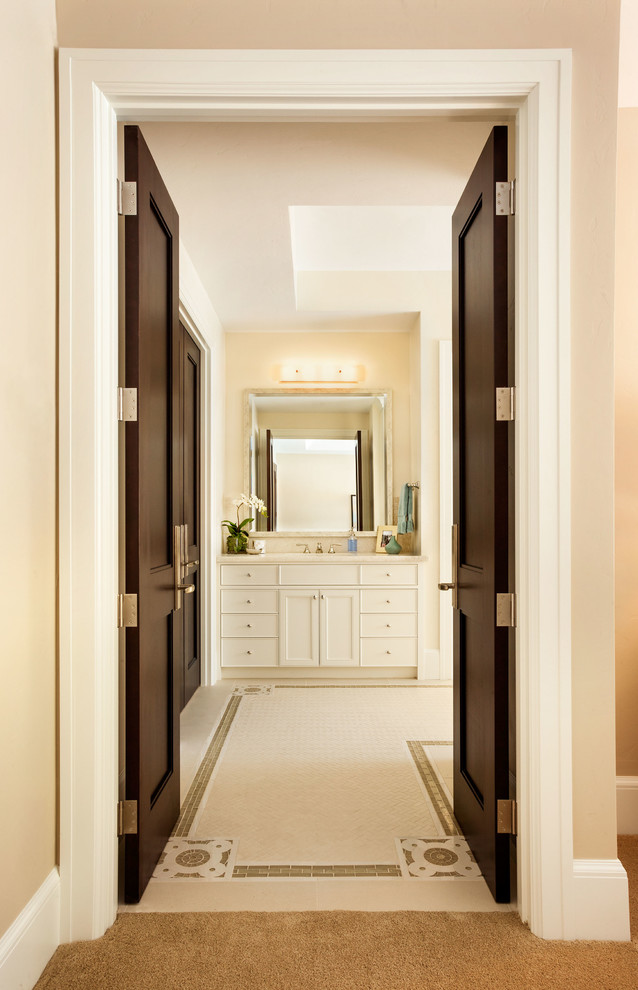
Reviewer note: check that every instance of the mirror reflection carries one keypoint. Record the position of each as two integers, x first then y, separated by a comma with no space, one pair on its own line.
319,459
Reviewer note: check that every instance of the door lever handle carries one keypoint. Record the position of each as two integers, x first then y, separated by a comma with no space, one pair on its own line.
447,586
189,564
188,589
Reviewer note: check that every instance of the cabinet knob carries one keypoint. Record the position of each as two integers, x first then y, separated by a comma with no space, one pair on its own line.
323,596
315,597
387,574
250,652
248,625
388,602
387,625
249,574
389,652
248,601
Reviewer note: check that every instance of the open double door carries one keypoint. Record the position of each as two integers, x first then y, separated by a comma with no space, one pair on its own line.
162,506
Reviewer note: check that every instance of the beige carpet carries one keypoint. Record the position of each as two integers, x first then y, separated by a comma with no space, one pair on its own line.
343,951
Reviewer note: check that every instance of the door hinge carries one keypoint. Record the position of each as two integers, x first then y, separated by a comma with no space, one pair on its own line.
127,405
126,611
127,818
506,821
505,404
505,610
505,199
126,198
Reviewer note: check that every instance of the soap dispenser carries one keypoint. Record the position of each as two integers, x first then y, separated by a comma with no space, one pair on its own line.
352,541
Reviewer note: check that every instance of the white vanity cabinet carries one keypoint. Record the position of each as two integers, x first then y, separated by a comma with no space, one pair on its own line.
319,627
333,613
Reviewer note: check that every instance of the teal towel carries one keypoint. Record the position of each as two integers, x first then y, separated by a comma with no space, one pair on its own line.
405,517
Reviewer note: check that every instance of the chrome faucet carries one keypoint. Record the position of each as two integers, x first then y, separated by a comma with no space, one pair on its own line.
305,546
332,547
319,548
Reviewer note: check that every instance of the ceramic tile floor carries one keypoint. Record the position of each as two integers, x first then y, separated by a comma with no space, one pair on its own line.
329,771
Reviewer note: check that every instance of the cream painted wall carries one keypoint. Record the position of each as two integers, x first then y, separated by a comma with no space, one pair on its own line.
27,453
253,361
591,30
626,347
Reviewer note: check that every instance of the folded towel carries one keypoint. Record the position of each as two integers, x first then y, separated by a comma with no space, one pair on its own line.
405,517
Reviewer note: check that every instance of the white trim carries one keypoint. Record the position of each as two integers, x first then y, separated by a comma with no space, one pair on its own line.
601,900
96,87
446,618
627,805
27,946
431,670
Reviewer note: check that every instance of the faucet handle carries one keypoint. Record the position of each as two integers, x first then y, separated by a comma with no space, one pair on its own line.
319,548
332,547
305,546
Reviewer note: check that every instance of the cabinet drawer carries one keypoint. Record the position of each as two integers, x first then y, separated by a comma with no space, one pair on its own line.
248,574
392,624
319,575
239,624
388,574
249,652
248,601
388,600
389,651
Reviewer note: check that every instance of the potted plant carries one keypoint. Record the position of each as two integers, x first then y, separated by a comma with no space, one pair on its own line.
237,539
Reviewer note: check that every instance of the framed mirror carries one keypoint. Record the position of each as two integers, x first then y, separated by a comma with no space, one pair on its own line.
320,459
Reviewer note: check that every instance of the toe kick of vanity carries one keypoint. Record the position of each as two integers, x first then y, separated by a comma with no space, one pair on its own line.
288,617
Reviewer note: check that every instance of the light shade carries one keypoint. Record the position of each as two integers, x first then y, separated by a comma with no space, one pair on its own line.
319,374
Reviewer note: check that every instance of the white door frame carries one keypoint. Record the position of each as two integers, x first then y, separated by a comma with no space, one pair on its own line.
98,89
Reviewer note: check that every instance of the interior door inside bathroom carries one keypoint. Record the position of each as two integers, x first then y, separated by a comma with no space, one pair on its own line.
349,722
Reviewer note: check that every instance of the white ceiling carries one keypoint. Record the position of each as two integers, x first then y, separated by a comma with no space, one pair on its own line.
316,227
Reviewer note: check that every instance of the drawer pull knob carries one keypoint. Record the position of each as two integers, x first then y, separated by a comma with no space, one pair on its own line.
387,574
315,597
387,625
250,652
248,625
249,574
248,601
389,652
387,601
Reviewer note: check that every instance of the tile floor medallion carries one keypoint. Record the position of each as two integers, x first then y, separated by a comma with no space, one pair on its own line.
196,859
323,783
428,859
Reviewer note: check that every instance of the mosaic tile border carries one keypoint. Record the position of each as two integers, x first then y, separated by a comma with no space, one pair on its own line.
254,689
438,797
376,870
205,770
384,686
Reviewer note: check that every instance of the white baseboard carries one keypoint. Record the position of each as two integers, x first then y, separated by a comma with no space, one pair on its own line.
29,943
627,805
601,900
431,667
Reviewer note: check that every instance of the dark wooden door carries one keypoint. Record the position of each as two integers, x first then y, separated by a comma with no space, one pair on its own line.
191,441
481,514
153,509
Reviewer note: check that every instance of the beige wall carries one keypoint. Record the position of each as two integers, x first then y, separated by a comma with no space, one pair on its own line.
626,346
253,361
27,455
591,30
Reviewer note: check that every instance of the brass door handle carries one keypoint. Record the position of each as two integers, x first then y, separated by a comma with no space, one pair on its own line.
192,563
447,586
188,589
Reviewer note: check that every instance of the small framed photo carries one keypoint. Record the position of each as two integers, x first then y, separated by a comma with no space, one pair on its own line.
384,535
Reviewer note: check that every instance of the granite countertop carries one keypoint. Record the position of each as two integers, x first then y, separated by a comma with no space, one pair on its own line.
318,558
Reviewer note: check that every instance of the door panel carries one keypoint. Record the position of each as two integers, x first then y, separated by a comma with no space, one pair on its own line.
191,446
299,628
339,629
153,506
481,512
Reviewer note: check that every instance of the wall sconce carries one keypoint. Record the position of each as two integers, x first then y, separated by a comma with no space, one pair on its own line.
319,374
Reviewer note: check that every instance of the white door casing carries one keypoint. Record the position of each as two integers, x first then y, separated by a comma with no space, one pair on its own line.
100,88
